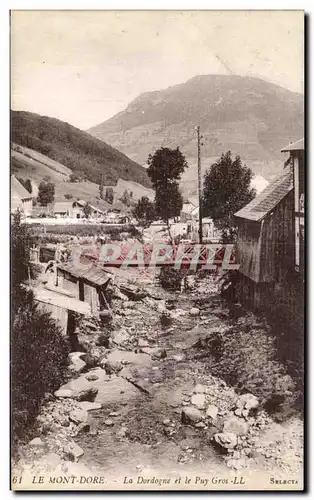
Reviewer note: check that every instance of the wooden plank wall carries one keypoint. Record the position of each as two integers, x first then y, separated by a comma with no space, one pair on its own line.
248,249
59,314
277,252
91,297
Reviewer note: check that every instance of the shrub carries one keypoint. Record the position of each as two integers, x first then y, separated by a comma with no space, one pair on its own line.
38,350
82,229
245,356
170,279
38,360
68,196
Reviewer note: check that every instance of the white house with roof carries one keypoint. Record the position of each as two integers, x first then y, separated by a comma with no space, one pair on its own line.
21,199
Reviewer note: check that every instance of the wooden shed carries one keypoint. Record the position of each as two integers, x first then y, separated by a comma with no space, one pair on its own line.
265,246
60,305
87,283
296,161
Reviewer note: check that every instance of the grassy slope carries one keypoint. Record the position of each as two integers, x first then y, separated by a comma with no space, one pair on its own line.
75,149
29,164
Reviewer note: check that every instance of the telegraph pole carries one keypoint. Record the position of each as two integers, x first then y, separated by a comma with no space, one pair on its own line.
200,227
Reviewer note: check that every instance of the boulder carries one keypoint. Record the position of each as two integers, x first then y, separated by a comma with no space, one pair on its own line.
161,306
86,394
49,461
117,357
88,406
133,292
112,366
235,425
109,422
37,442
78,416
120,337
227,440
198,400
142,343
91,377
82,427
63,393
76,363
155,352
93,428
212,412
194,311
190,414
200,425
247,401
200,388
98,374
105,316
79,389
72,452
178,357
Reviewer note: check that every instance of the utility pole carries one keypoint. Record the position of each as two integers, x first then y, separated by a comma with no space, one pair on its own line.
200,227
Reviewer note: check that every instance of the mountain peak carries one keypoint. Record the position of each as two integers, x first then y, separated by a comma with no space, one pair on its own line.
244,114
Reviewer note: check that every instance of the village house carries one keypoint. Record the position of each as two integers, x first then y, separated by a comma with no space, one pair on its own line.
269,245
21,199
187,212
67,209
95,212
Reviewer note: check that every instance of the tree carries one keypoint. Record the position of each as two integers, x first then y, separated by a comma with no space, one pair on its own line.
166,165
165,168
144,212
26,183
74,178
226,190
101,188
46,193
87,210
125,198
169,201
109,195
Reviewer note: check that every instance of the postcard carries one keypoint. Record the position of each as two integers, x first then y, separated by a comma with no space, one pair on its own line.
157,250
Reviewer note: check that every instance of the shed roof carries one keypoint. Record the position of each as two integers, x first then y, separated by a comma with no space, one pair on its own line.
93,274
294,146
267,200
19,191
62,206
61,300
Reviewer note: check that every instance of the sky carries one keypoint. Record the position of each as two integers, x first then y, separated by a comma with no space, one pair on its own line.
85,66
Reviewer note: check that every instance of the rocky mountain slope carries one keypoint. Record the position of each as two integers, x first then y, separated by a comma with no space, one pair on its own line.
249,116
